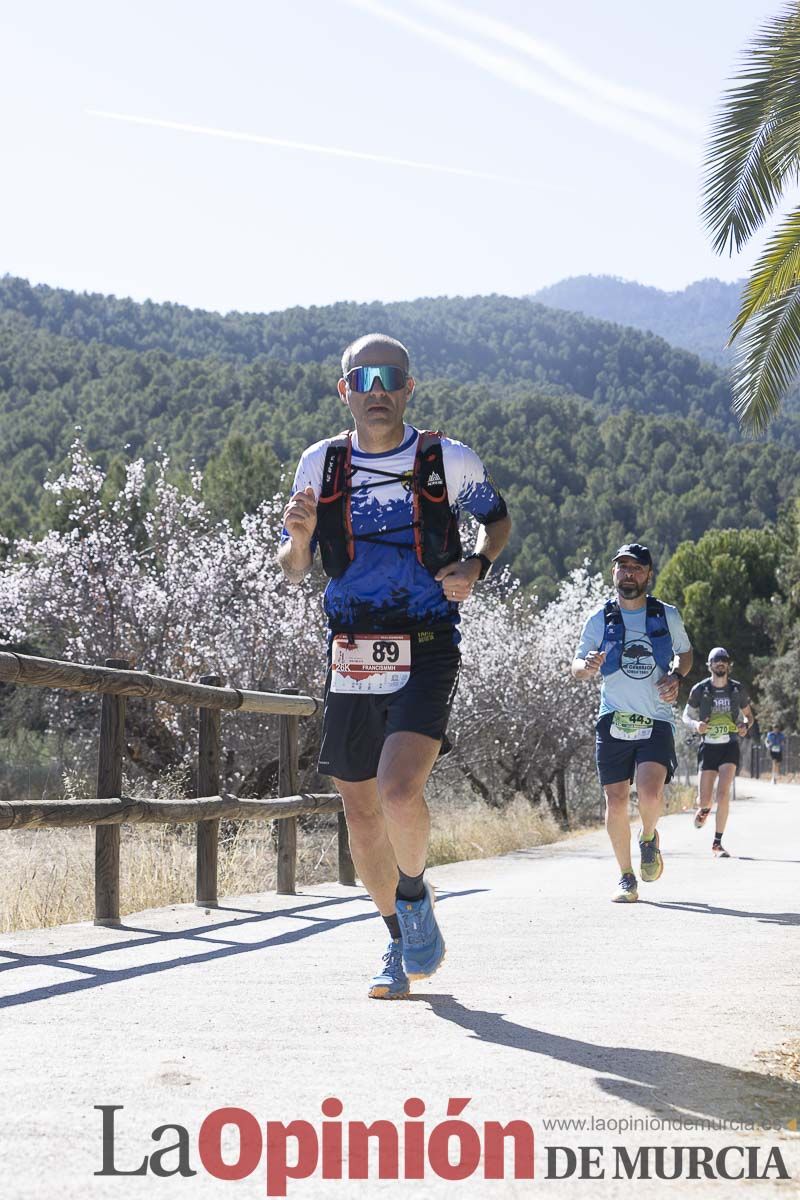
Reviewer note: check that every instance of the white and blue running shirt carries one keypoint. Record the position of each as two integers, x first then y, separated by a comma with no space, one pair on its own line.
632,689
385,587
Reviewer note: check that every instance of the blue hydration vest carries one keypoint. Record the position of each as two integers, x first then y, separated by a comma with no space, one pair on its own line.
657,631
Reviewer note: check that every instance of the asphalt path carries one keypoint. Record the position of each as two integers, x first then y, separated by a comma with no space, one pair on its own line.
646,1023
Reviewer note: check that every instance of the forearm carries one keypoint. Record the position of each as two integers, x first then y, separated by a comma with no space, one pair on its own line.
294,559
684,663
691,718
492,538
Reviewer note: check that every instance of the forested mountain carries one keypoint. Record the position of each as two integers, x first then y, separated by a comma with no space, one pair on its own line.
498,339
596,433
698,318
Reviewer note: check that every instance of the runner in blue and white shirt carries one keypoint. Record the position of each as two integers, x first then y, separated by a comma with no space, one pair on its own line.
389,542
640,646
385,587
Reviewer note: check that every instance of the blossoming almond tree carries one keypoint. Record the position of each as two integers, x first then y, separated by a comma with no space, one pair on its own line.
166,588
521,722
141,571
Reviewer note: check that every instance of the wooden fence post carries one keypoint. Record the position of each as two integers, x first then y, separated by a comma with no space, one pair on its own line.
109,784
288,733
208,785
347,870
561,797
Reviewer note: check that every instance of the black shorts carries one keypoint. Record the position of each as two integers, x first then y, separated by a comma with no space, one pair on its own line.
776,755
354,728
617,760
711,757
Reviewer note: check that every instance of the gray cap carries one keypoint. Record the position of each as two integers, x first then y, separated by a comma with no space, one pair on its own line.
375,350
718,652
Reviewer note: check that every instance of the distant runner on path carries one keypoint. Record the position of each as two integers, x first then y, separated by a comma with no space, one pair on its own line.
775,741
382,502
633,642
719,710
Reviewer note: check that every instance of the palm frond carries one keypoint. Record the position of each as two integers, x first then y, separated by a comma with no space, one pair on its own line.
751,148
776,272
768,361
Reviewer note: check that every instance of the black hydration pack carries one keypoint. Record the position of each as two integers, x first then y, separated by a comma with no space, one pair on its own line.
706,703
435,529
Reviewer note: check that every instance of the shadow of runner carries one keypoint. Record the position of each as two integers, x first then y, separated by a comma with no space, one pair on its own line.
794,862
672,1086
204,935
695,906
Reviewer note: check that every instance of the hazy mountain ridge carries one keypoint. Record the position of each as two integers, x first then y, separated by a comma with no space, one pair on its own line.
698,318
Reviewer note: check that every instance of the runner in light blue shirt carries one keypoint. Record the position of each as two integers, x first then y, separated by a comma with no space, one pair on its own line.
641,649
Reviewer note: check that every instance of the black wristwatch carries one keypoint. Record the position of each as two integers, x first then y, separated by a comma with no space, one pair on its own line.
486,564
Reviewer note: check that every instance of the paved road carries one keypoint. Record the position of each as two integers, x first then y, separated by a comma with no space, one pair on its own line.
553,1004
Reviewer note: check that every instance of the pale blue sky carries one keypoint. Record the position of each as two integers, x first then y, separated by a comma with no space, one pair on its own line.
577,127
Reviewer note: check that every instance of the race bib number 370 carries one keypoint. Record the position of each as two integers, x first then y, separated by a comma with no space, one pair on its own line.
370,664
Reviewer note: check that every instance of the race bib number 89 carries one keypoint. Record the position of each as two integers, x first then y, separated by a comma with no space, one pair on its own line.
370,664
631,727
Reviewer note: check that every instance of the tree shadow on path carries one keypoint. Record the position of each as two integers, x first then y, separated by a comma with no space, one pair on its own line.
672,1086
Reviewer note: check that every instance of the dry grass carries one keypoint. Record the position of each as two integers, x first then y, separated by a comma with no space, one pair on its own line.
783,1061
679,798
460,831
48,874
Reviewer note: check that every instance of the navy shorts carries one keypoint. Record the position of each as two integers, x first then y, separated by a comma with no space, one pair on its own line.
617,760
711,757
776,755
354,728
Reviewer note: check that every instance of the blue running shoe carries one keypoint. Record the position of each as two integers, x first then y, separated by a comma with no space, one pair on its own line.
423,944
391,982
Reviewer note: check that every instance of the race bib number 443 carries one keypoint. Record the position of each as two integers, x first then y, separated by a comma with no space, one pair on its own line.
370,664
631,727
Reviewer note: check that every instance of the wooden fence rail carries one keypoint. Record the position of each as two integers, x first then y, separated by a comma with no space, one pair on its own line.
109,809
77,677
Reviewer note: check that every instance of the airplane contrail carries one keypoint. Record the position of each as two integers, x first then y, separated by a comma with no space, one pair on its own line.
568,68
518,74
312,148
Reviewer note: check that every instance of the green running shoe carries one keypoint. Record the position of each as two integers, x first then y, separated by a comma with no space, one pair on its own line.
627,890
652,865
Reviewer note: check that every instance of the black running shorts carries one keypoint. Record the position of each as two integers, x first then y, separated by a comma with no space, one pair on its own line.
617,760
776,755
711,757
355,727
